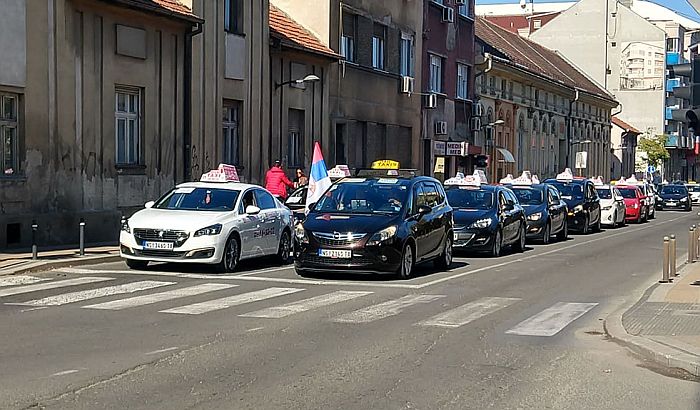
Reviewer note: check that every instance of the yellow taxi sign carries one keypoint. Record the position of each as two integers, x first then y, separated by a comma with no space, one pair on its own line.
385,164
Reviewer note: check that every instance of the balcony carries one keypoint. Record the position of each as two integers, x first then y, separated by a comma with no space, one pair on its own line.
673,58
672,83
672,141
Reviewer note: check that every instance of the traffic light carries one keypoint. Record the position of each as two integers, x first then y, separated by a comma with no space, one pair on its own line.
482,161
689,92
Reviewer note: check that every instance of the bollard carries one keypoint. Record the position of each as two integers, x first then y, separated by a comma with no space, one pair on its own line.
691,236
672,258
693,247
82,237
664,271
35,249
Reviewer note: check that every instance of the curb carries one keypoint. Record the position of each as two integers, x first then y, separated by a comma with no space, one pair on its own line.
34,266
660,353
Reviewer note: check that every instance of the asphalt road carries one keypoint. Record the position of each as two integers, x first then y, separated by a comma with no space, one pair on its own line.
523,331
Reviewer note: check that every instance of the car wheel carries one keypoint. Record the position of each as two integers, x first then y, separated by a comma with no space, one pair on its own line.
520,245
597,226
136,264
644,216
407,261
229,260
564,233
445,260
652,213
284,251
547,234
496,245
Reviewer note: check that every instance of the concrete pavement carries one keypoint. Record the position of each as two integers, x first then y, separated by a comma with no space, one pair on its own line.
520,331
16,262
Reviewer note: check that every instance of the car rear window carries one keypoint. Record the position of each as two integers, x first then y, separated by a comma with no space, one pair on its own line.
628,192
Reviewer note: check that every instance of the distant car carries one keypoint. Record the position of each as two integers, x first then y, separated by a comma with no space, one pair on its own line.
296,202
694,190
581,197
208,222
546,212
635,203
674,197
612,205
650,198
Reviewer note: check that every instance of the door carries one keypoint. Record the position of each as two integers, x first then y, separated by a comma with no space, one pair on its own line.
433,219
506,218
514,212
248,226
419,224
619,204
556,210
270,220
592,203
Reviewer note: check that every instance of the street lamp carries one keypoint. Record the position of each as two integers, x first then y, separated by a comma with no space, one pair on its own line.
497,122
311,78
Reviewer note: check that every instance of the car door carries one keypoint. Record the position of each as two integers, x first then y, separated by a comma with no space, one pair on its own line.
419,224
506,216
433,219
248,225
619,202
270,222
554,209
592,203
514,214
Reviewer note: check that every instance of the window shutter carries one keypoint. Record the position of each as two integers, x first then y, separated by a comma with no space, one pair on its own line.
365,30
392,50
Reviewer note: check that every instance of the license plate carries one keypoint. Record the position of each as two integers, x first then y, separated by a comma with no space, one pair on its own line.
335,253
670,204
158,245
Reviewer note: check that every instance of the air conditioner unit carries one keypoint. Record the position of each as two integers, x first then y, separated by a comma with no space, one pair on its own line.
431,101
406,85
475,123
477,110
448,15
460,2
440,127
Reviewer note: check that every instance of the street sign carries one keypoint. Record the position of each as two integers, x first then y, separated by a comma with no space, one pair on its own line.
439,148
457,149
581,159
651,169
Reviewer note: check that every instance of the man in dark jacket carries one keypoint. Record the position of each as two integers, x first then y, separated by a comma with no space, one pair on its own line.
276,181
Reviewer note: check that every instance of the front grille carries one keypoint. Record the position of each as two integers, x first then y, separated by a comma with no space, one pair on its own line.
161,235
338,239
318,260
159,253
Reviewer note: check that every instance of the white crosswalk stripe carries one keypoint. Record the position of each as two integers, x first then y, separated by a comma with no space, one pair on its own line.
51,285
386,309
80,296
227,302
20,280
135,301
469,312
552,320
305,305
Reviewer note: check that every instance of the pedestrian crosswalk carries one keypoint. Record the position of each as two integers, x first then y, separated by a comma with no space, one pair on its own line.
220,296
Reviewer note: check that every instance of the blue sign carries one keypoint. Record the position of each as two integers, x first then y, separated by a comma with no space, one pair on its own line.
651,169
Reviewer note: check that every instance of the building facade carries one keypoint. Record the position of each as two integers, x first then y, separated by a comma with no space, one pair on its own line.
93,96
623,140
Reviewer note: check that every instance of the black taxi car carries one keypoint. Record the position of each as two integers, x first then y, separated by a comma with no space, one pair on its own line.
674,197
582,199
487,217
546,211
378,221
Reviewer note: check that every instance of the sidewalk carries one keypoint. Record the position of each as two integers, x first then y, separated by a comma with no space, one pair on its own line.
664,325
21,262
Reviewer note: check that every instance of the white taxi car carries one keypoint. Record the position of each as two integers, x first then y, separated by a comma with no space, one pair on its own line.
208,222
612,204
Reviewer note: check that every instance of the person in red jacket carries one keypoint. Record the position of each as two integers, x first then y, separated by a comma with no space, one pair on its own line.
276,181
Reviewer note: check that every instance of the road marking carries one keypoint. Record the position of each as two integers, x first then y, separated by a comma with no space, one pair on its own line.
160,297
470,312
386,309
20,280
315,302
65,372
552,320
83,271
255,329
80,296
227,302
51,285
168,349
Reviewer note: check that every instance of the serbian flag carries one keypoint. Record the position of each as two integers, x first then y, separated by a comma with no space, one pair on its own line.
319,181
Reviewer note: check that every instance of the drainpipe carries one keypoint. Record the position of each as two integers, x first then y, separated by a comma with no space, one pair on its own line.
569,121
187,105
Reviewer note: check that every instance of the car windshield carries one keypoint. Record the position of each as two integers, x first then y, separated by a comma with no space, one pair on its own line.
199,199
360,196
466,198
628,192
297,197
569,191
528,196
694,188
604,193
674,190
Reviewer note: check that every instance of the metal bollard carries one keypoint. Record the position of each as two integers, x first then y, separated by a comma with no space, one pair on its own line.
672,258
691,238
82,237
664,271
35,248
695,240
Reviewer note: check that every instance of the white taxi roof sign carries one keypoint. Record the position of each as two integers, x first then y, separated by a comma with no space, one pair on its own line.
339,171
632,180
385,164
474,180
507,180
224,173
598,181
535,179
567,175
523,180
480,175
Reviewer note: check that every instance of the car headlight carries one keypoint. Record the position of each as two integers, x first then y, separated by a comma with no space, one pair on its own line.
125,226
578,208
300,233
535,217
209,230
684,199
382,236
635,206
481,223
607,208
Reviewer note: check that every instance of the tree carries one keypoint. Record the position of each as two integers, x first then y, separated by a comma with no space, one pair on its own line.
653,149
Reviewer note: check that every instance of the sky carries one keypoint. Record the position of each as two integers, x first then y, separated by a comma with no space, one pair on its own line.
679,6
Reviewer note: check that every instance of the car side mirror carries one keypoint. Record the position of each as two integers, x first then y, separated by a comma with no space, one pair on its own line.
509,207
252,210
149,204
311,205
424,210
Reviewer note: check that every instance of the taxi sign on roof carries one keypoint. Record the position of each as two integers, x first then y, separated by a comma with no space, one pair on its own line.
385,164
339,171
597,181
535,179
567,175
507,180
632,180
479,173
523,180
225,173
474,180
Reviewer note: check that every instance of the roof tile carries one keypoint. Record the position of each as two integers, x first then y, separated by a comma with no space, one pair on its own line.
294,34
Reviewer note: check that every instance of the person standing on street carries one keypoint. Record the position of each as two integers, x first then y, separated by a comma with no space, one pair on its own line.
276,181
301,178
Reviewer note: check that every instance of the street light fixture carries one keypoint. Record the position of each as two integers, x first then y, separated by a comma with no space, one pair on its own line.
497,122
311,78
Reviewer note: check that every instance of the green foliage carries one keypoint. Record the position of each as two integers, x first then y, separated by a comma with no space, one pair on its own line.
653,148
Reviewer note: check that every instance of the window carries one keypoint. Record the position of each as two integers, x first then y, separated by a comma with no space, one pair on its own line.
463,9
536,24
231,133
264,200
378,46
431,194
128,126
233,16
248,200
462,81
435,74
347,40
419,198
406,50
9,147
492,85
295,138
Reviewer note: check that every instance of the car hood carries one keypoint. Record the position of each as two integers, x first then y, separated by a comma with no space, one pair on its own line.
465,217
359,223
531,209
572,203
672,197
632,201
176,220
607,202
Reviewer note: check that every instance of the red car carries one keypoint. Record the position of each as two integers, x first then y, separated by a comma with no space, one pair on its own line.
636,209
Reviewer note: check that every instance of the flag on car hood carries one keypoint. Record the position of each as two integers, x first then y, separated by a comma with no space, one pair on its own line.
319,181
